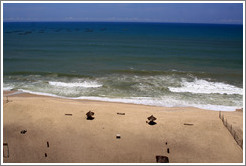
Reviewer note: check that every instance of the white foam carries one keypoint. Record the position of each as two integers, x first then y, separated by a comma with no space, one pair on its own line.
203,86
40,93
164,102
161,102
15,93
7,88
85,84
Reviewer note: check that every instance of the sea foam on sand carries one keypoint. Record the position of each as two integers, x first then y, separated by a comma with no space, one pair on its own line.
164,102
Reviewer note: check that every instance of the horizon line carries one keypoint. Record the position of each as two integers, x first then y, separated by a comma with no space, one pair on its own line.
122,22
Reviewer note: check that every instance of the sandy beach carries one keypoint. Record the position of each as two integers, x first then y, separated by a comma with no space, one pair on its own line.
164,83
53,137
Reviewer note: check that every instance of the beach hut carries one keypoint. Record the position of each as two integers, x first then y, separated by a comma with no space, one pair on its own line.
89,115
162,159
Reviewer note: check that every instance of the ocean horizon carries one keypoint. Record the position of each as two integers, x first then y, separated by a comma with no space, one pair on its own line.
161,64
134,22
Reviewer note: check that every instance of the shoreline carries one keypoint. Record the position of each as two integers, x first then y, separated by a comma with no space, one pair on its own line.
30,95
34,94
73,139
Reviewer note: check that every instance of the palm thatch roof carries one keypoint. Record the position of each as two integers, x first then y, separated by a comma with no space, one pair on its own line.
90,113
152,118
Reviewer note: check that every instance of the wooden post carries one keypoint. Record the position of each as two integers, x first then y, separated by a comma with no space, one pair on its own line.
223,119
7,99
5,150
242,144
220,114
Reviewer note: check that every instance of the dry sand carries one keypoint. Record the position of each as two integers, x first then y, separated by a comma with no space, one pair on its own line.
73,139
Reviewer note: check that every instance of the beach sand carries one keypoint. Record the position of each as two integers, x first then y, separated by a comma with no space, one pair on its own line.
73,139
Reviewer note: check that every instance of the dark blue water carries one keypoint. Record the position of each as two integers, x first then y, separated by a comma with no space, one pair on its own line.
147,63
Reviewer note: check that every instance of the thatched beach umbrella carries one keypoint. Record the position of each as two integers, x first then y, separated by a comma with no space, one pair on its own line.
152,118
89,115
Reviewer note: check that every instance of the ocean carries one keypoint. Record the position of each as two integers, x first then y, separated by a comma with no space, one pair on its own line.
161,64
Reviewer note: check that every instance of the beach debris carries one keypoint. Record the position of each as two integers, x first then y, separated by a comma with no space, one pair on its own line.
48,145
168,150
119,113
89,115
151,120
68,114
239,110
45,154
162,159
23,131
166,143
118,136
7,98
189,124
5,150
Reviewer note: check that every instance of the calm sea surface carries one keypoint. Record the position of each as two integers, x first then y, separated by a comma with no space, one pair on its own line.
160,64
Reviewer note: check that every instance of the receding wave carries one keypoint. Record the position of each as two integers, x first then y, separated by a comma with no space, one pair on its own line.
7,88
167,90
85,84
203,86
165,102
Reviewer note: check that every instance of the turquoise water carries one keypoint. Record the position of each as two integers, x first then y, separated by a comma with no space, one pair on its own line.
160,64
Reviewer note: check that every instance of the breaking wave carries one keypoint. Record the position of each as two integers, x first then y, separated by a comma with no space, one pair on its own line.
85,84
168,90
203,86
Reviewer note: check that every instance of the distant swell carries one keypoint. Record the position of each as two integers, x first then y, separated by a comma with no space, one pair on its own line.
203,86
52,74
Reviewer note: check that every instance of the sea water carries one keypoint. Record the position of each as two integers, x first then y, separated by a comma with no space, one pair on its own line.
162,64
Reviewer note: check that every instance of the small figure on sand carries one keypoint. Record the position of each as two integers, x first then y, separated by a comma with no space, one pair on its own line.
89,115
151,120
